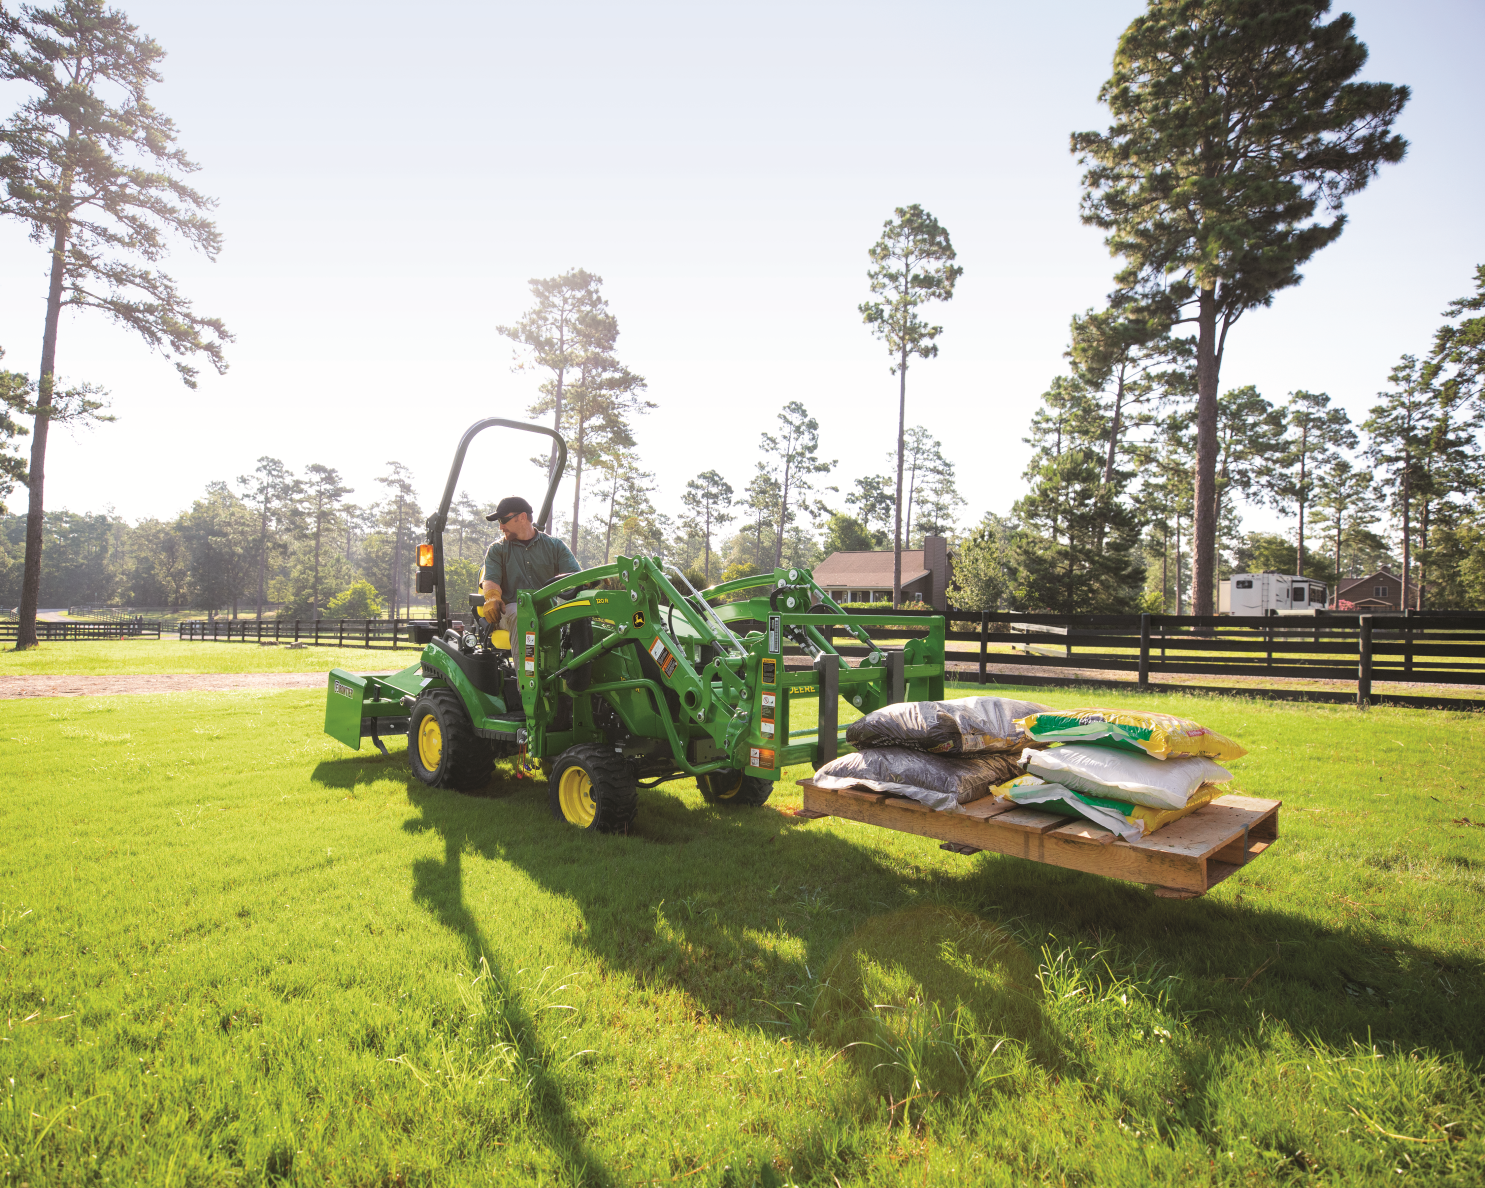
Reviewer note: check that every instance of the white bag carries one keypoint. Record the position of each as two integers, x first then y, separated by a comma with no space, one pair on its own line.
1121,775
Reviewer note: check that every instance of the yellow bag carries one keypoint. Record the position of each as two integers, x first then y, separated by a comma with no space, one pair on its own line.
1161,736
1129,821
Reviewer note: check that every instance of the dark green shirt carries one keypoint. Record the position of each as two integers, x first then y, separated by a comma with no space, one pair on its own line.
526,564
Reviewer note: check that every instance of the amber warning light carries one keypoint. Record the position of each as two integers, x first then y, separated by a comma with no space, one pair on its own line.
425,556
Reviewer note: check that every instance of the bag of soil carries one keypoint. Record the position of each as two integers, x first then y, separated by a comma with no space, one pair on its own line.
1129,821
1161,736
1117,775
964,726
938,781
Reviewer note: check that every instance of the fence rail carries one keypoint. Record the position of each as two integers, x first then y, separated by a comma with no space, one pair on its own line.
50,632
341,633
1437,648
1432,647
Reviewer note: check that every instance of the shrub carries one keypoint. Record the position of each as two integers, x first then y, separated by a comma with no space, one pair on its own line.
360,601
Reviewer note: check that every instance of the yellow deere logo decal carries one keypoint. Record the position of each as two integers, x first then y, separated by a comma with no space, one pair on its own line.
639,618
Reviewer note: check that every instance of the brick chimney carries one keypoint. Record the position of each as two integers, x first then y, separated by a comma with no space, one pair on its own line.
936,562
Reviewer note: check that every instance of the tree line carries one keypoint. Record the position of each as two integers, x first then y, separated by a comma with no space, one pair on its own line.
1108,521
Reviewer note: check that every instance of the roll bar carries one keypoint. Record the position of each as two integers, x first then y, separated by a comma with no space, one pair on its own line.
439,519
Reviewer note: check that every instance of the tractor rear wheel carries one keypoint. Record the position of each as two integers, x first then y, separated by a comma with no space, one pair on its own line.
732,787
442,747
593,788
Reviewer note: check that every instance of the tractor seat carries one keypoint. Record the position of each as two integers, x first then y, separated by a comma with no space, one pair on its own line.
500,639
483,673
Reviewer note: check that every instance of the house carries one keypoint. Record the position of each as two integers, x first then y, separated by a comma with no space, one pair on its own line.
1380,591
866,576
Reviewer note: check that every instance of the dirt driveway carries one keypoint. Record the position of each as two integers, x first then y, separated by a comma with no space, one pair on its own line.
206,682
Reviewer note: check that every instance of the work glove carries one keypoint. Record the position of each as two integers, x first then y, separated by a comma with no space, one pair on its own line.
492,610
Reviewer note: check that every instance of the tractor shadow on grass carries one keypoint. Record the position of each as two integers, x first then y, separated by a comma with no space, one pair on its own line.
684,899
438,885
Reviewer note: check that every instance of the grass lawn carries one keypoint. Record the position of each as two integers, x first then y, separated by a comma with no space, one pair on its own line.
236,953
138,657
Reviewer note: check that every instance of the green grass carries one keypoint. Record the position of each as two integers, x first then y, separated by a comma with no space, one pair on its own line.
237,953
138,657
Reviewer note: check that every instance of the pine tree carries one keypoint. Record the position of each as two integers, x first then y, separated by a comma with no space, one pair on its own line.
1313,432
872,500
1397,430
324,494
272,491
1234,121
912,264
98,180
548,332
1344,499
400,510
1136,364
795,454
1458,356
708,497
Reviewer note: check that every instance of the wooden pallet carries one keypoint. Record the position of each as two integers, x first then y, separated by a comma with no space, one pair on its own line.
1185,859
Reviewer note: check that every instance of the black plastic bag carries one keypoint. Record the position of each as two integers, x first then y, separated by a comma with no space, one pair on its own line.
939,781
964,726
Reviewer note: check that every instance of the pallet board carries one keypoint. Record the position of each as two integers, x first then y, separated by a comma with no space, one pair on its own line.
1186,858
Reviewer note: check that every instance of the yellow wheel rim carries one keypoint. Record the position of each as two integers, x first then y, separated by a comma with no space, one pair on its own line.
575,795
430,743
726,792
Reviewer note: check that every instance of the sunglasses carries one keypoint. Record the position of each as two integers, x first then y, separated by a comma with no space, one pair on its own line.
504,520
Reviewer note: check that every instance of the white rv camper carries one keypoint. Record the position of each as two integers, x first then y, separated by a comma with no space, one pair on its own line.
1268,594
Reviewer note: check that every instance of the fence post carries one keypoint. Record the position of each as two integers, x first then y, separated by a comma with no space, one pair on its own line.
296,630
1364,664
340,642
317,633
365,633
394,634
984,642
1408,640
1269,639
1145,648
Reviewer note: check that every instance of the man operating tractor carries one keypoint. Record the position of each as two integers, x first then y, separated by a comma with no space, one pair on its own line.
524,559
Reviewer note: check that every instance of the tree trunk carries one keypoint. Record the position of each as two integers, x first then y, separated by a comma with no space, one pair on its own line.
1178,564
1407,500
897,502
557,414
1114,426
397,559
1299,552
707,579
613,497
778,548
577,484
314,589
35,521
1204,524
262,559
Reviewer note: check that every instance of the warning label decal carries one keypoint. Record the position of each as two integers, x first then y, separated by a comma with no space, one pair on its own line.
662,656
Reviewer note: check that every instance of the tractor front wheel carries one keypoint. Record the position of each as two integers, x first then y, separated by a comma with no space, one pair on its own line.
442,747
732,787
592,788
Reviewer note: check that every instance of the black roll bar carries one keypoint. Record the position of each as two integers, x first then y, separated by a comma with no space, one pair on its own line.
439,519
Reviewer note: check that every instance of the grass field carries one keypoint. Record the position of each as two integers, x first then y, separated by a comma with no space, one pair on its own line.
137,657
236,953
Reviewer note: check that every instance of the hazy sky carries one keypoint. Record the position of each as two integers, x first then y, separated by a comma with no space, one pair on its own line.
388,183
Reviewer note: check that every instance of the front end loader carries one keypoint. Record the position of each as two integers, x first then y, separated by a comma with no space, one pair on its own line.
624,676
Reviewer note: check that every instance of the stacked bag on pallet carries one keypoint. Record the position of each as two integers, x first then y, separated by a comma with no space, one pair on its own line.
1129,771
942,754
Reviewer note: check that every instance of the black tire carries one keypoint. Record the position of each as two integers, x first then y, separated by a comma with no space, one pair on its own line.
732,787
442,747
592,788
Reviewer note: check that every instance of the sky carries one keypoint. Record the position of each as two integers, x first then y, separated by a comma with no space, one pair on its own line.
387,184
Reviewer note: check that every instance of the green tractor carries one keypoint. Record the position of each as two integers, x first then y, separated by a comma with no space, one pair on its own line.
625,676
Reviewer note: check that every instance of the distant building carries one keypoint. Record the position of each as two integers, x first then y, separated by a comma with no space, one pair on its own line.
867,576
1380,591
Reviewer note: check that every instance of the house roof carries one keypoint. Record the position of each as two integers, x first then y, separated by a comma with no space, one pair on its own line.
868,568
1381,575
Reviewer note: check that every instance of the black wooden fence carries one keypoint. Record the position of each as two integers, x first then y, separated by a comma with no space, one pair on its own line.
49,632
1432,648
341,633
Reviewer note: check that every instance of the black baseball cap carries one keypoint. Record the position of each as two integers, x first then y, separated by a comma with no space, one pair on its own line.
511,505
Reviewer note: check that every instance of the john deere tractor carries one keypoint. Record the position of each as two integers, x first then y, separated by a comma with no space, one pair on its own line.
625,676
